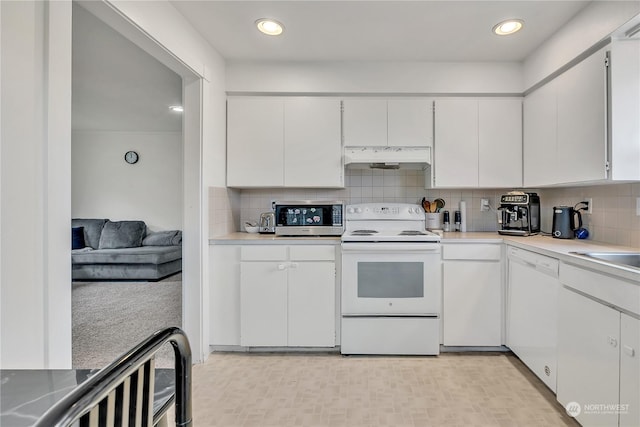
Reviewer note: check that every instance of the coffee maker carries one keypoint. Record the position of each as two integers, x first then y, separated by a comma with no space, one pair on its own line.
519,214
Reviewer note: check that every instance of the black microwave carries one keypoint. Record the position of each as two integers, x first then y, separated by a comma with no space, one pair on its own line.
309,218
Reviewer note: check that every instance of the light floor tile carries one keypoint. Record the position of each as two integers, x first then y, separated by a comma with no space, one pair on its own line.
269,389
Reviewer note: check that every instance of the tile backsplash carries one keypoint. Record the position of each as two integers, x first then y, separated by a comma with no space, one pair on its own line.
613,220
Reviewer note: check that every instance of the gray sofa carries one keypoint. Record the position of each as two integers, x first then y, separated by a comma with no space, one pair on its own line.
123,250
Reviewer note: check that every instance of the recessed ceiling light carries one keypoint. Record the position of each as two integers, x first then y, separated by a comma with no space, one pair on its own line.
270,27
507,27
177,108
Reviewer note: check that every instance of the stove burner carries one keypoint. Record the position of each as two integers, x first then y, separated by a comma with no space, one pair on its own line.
412,233
363,232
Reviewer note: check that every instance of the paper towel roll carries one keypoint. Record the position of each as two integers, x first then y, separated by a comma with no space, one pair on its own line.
463,216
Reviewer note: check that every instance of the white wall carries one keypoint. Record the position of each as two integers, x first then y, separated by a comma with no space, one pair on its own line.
205,162
35,144
375,77
105,186
594,23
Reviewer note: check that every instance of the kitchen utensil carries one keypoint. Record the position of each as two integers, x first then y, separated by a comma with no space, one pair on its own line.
446,221
426,205
564,224
439,204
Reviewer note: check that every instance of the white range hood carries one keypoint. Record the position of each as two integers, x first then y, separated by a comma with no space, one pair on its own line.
387,157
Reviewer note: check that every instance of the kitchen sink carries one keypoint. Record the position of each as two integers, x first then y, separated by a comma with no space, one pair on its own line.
626,259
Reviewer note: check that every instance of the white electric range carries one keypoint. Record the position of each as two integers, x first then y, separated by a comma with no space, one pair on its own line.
391,281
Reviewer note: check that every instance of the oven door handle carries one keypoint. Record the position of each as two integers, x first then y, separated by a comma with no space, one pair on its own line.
391,247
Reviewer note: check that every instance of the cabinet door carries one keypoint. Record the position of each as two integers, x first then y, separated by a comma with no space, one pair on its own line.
312,143
532,327
456,143
263,304
588,356
255,142
582,135
500,143
629,371
472,314
539,148
410,122
312,304
224,286
365,122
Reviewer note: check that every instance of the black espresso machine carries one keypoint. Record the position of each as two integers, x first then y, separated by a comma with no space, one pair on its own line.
519,214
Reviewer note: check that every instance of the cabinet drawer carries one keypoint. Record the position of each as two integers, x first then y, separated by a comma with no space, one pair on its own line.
474,251
612,290
312,253
263,253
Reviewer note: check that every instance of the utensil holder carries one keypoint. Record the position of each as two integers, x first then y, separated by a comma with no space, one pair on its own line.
433,221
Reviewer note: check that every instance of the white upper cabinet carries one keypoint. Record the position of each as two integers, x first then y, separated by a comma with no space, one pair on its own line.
478,143
388,122
565,122
582,99
365,122
456,143
500,143
290,142
539,148
625,110
255,142
410,122
312,143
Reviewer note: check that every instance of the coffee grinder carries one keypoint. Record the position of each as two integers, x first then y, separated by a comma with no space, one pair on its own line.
519,214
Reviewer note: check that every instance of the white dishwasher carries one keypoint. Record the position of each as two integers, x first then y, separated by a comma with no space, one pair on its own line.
532,302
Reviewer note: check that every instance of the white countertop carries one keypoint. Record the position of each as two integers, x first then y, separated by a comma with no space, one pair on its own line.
243,238
556,248
545,245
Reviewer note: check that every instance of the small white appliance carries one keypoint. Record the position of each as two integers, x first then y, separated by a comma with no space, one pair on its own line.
391,281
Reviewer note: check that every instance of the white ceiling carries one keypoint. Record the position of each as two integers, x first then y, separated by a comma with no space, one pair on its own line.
361,30
116,85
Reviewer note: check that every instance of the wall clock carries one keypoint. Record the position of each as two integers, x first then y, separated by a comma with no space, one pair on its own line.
131,157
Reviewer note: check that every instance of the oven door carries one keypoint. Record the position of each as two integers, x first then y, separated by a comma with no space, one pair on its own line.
391,279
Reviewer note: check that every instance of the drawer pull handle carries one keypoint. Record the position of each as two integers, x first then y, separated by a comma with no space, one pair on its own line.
281,267
629,350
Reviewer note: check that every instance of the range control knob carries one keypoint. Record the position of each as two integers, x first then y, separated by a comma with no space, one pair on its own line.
358,210
350,210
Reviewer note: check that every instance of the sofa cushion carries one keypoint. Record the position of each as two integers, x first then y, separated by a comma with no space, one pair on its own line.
122,234
77,238
139,255
163,238
92,230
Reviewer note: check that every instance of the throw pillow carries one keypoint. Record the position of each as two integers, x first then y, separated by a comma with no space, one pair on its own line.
163,238
77,238
122,234
92,230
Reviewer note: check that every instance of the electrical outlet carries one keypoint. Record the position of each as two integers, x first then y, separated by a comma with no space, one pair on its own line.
589,203
273,205
484,205
637,206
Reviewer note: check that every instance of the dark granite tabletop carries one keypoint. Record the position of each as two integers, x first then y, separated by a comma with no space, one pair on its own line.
27,394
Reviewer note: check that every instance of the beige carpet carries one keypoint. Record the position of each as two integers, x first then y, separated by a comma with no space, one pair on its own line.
109,318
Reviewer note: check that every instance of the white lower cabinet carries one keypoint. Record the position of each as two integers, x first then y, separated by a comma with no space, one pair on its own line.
472,294
224,295
598,344
263,304
629,370
532,305
287,296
